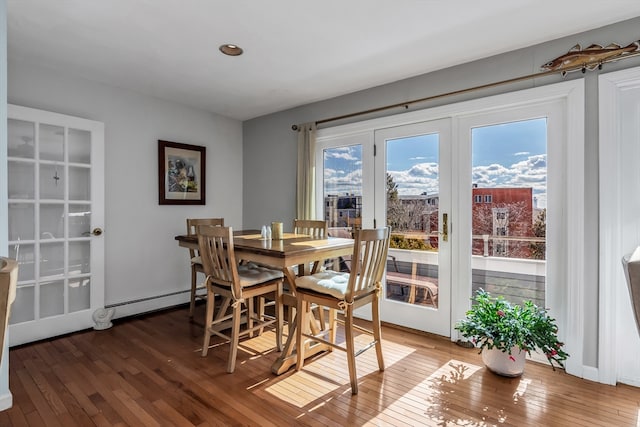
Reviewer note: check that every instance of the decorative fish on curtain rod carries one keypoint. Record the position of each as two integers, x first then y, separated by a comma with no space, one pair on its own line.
590,58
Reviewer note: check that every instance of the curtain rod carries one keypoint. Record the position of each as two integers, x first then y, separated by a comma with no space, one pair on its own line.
406,104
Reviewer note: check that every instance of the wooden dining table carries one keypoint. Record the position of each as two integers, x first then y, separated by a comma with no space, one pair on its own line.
294,254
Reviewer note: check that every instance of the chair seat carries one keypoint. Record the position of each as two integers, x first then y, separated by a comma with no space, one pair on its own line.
327,282
196,260
252,274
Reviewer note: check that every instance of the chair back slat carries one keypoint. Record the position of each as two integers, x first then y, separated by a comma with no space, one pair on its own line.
314,228
369,260
218,256
192,229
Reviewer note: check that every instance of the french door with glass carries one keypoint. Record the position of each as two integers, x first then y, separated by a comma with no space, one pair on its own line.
56,215
360,185
413,183
483,210
478,195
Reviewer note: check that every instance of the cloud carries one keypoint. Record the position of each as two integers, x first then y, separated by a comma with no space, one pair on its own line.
530,172
344,153
521,153
328,173
424,177
342,183
420,178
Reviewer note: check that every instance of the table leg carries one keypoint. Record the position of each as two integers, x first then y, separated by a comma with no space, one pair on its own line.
287,358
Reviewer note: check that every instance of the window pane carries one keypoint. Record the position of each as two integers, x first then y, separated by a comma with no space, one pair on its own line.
79,257
51,259
52,181
51,143
21,220
79,220
24,254
79,146
510,176
51,221
79,294
343,189
412,213
20,139
21,180
79,183
22,309
51,298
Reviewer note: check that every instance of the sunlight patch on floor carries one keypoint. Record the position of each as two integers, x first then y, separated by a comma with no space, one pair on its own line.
520,391
256,346
455,371
454,379
327,373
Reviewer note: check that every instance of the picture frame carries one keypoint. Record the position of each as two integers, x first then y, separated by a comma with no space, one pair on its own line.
181,173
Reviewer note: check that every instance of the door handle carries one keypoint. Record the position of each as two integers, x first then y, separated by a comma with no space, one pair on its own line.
95,232
445,227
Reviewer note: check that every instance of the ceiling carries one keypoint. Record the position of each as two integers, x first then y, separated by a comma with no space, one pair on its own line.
295,52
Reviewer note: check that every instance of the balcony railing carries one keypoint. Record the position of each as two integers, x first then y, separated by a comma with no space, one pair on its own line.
412,276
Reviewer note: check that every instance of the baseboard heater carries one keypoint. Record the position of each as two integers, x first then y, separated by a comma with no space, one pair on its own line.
134,301
103,316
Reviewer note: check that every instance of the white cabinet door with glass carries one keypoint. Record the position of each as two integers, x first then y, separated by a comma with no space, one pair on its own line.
56,215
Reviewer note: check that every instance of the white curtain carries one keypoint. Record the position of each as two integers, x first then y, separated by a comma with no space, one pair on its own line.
306,178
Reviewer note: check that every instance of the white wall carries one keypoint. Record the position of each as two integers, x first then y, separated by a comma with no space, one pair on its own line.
270,144
142,258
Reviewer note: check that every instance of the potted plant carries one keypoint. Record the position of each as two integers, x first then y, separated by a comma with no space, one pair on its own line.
506,332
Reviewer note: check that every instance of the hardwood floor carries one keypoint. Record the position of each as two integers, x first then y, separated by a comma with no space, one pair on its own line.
147,371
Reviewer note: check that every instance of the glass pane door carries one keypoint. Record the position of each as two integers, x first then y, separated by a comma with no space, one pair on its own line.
413,198
342,190
56,199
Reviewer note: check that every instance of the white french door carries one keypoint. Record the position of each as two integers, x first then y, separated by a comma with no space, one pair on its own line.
508,173
413,194
56,216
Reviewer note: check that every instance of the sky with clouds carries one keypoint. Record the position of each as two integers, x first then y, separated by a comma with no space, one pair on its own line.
504,155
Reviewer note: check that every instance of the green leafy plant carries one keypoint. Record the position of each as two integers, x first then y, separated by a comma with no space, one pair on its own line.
494,322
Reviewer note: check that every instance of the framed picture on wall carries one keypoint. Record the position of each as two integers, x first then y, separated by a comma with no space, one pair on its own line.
181,173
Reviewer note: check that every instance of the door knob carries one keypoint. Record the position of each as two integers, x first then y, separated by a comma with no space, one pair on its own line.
95,232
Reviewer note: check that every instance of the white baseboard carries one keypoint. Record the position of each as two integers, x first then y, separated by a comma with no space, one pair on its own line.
6,401
629,381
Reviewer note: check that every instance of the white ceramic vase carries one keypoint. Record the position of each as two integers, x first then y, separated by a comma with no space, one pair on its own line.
501,363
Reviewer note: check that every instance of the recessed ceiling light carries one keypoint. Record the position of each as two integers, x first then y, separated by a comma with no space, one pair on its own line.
230,49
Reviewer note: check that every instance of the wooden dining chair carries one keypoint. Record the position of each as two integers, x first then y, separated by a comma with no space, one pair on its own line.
311,227
314,228
194,259
346,292
240,283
